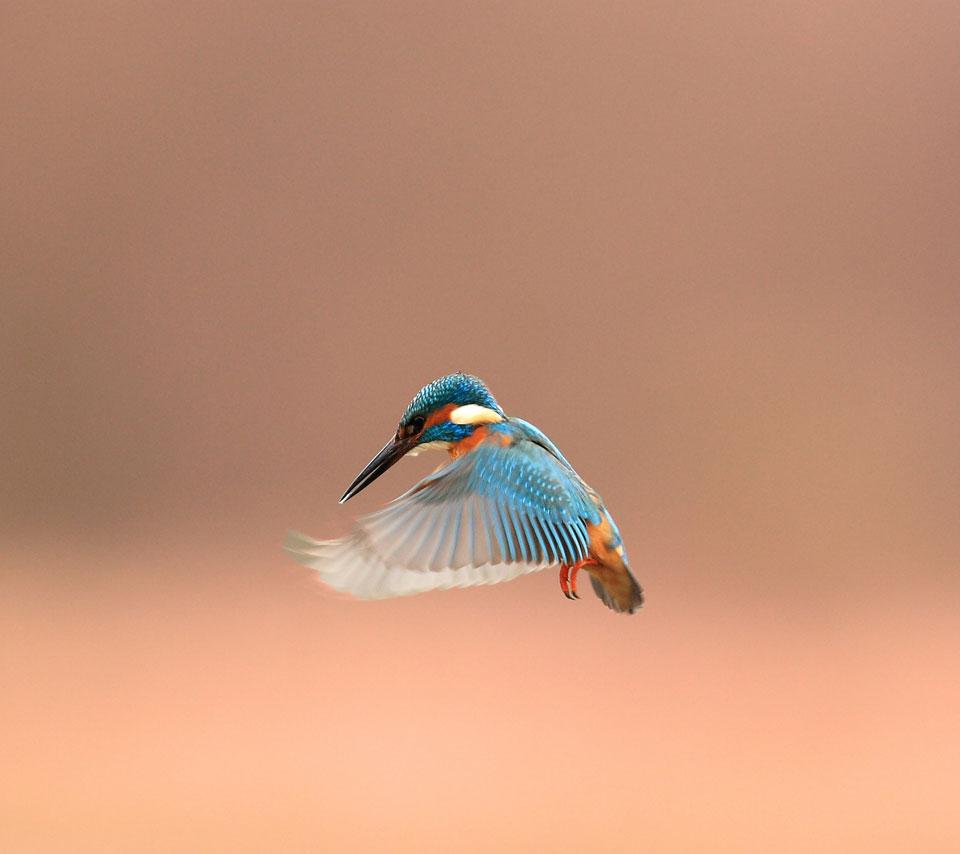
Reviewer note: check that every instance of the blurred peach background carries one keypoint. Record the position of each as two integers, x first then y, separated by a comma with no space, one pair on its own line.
710,248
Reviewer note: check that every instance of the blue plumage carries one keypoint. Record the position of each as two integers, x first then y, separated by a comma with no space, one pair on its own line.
508,503
446,432
458,388
536,508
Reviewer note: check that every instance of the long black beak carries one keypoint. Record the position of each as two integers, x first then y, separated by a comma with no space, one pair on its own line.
389,454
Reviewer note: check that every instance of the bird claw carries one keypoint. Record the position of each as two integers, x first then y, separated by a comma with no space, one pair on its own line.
568,580
572,579
568,577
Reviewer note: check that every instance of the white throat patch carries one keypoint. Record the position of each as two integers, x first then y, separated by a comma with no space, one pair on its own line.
435,445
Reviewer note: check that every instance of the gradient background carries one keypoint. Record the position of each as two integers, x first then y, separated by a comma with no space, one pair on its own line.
711,249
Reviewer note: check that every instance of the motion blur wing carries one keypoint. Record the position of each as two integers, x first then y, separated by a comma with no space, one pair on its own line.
491,515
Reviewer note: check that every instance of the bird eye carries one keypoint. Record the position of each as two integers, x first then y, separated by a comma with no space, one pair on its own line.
411,428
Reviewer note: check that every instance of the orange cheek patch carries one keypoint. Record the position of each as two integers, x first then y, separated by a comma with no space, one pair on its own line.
440,416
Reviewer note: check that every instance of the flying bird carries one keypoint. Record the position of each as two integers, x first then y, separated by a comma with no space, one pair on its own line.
508,503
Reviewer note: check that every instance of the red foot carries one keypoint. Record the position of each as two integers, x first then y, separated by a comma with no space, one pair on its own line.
568,577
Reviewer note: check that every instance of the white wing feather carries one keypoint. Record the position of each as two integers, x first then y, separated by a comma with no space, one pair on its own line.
351,568
490,516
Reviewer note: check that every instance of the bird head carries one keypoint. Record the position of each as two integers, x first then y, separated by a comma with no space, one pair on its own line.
445,411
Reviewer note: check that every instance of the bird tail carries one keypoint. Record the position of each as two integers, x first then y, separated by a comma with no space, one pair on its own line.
615,585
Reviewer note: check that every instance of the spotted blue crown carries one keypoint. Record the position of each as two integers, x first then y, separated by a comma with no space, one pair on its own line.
459,389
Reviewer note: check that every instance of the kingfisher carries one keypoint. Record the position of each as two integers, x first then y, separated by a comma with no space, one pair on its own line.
506,504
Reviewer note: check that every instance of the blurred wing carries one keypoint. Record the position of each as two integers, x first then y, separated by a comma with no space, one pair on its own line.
492,515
